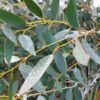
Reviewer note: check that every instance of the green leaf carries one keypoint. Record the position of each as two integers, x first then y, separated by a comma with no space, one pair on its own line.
10,92
78,75
77,94
34,7
15,86
25,70
69,94
54,8
71,14
8,50
36,73
27,44
11,19
9,33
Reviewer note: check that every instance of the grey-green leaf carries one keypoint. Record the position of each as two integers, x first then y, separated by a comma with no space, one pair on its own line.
54,8
9,33
8,51
27,44
91,52
36,73
11,19
41,98
71,14
78,75
25,70
69,94
58,86
34,7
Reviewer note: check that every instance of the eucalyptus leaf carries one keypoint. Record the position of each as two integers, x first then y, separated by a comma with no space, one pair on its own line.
80,55
9,33
95,57
8,51
41,98
25,70
11,19
34,7
54,8
36,73
69,94
27,44
78,75
71,13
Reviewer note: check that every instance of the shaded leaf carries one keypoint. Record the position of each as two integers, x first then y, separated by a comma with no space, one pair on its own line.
52,97
9,33
8,51
34,7
15,86
11,19
78,75
36,73
25,70
27,44
54,8
71,13
58,86
77,94
80,55
69,94
91,52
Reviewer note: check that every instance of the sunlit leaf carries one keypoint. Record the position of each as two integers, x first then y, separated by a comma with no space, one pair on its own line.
25,70
27,44
41,98
9,33
36,73
80,55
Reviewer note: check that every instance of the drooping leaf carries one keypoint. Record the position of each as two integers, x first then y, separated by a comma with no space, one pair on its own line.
9,33
10,92
41,98
34,7
25,70
36,73
8,51
69,94
52,97
27,44
52,72
11,19
54,8
71,14
95,57
78,75
77,94
15,86
80,55
58,56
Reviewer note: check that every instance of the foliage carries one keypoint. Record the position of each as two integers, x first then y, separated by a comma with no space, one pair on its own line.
49,52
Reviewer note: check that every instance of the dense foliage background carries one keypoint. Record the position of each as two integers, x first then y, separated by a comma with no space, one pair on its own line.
49,51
